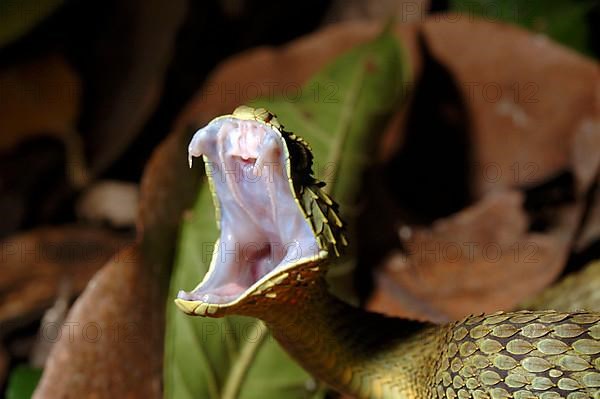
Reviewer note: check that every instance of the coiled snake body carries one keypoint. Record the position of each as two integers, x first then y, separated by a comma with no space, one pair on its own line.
284,231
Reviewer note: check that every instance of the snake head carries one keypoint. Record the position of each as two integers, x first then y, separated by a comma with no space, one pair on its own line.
277,228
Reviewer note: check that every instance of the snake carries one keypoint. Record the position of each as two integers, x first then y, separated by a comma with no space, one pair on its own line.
280,232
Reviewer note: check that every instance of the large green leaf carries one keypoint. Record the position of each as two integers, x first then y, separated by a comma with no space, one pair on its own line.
22,382
562,20
340,113
342,110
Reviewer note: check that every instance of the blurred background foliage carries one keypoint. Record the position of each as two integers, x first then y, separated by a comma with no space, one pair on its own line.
88,91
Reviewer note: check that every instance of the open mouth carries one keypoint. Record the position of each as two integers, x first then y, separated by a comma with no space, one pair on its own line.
263,230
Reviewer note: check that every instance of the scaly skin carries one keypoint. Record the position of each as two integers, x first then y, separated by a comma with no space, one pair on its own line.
505,355
363,354
519,355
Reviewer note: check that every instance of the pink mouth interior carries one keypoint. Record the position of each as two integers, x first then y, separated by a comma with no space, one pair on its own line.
262,226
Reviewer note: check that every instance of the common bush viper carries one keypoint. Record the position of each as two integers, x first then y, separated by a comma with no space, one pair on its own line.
279,232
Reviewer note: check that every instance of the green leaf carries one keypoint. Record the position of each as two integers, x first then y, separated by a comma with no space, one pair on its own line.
22,382
340,113
562,20
342,110
17,17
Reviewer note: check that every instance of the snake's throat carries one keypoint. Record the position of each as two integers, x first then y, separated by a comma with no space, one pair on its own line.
262,227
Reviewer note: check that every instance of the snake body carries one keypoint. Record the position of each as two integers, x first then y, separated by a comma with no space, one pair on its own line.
519,355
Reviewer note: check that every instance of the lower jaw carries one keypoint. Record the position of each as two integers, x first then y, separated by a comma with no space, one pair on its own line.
224,294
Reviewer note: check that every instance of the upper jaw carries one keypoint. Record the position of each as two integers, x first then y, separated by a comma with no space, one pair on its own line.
264,232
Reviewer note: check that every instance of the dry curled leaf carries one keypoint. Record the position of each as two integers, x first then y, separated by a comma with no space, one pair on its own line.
480,260
531,115
35,264
128,296
530,101
107,348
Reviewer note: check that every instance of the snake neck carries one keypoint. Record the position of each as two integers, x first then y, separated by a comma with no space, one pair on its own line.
521,355
363,354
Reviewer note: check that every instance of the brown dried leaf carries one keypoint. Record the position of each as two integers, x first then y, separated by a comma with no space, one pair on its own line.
36,263
528,99
132,287
126,298
109,346
533,109
479,260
